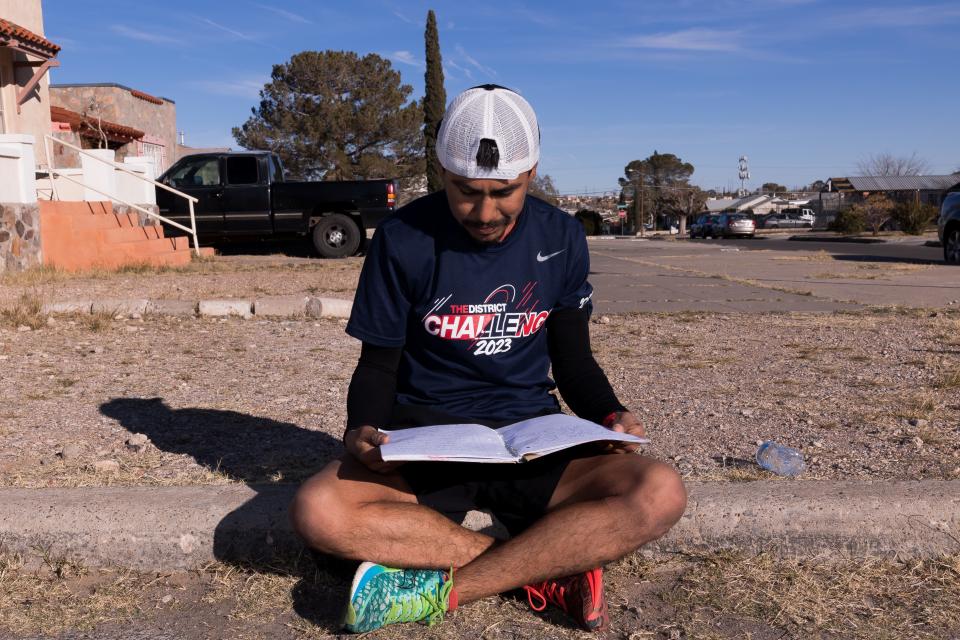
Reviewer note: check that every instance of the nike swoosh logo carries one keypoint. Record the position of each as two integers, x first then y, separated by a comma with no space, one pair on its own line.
544,258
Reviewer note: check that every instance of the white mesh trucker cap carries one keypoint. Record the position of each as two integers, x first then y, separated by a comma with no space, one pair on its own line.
493,112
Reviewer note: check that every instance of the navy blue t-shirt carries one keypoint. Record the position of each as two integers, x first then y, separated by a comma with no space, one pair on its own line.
471,317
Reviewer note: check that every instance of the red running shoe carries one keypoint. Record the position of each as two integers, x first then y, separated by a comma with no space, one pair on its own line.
580,595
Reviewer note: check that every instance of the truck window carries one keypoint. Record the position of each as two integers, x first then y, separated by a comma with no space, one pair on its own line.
198,172
276,171
242,170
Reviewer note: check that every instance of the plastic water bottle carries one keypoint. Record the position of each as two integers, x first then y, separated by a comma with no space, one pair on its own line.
781,460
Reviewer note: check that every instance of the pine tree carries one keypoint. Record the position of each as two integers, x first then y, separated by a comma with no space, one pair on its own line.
332,115
434,103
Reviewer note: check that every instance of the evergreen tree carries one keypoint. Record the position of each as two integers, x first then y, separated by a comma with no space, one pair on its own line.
658,178
333,115
434,103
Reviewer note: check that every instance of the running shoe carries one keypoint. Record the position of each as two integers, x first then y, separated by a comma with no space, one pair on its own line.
580,596
382,595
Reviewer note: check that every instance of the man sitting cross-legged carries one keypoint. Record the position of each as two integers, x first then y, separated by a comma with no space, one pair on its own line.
467,298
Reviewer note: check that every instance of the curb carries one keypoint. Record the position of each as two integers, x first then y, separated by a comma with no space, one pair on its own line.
181,528
270,307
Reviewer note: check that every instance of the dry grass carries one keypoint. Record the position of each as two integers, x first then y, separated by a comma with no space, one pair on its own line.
820,256
63,595
857,599
919,406
26,311
149,468
949,379
894,267
719,595
742,473
827,275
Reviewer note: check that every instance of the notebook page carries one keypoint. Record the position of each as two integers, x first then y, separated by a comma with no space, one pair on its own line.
448,442
547,434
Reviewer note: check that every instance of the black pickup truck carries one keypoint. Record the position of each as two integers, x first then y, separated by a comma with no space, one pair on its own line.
243,195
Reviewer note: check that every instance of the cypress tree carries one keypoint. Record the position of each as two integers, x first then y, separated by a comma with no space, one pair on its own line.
434,102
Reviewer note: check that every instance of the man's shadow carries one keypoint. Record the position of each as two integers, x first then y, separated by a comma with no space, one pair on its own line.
267,455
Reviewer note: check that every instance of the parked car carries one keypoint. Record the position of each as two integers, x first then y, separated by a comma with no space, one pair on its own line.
948,228
730,225
245,195
789,220
703,226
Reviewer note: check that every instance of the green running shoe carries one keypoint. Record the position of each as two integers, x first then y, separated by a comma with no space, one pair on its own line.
381,595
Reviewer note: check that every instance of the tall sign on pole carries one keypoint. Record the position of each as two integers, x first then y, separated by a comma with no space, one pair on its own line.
744,175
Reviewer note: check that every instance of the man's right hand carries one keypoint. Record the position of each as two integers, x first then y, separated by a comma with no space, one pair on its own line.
363,443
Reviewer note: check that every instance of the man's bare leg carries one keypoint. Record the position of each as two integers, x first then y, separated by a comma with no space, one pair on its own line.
352,512
602,509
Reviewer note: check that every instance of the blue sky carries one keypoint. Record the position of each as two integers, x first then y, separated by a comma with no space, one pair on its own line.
804,88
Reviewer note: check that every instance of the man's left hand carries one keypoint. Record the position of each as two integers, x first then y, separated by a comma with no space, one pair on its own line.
626,422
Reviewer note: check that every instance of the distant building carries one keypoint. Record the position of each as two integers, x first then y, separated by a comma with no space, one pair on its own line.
107,115
25,58
925,189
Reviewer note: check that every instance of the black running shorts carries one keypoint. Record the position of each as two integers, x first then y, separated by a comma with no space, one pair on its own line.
517,494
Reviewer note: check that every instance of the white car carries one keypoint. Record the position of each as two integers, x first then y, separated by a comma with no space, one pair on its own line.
789,220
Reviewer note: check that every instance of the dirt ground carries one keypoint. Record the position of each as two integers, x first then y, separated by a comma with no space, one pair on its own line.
861,395
246,276
870,394
695,597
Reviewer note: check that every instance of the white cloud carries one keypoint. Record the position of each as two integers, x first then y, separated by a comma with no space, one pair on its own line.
688,40
144,36
289,15
474,62
233,32
406,58
461,69
245,87
403,17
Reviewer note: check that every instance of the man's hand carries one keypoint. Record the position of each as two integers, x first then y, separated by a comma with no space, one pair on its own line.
363,443
626,422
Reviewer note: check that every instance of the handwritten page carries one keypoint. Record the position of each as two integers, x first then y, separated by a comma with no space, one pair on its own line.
448,442
548,434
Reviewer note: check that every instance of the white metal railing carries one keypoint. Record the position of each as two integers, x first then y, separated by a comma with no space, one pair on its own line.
192,230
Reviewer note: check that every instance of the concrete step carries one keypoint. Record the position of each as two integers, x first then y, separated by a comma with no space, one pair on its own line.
74,221
171,259
87,235
130,234
149,247
79,207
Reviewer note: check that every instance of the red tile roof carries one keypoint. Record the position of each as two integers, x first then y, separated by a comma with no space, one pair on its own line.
145,96
13,30
87,126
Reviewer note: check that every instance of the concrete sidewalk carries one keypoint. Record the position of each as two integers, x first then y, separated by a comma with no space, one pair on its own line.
188,527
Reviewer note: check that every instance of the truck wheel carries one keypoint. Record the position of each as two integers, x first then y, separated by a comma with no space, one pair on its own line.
951,246
336,236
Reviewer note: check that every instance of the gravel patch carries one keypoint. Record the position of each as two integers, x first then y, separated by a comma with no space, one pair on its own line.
219,277
162,401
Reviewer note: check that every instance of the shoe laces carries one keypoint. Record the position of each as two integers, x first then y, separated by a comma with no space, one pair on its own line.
549,592
421,605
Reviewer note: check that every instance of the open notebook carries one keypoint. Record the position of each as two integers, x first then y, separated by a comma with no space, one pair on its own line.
514,443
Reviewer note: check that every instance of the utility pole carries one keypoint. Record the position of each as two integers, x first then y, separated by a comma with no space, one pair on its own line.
744,175
643,228
637,176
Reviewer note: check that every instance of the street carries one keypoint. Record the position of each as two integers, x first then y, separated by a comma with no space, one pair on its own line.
904,249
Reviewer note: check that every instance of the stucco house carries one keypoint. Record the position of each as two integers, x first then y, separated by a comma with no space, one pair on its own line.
89,207
113,116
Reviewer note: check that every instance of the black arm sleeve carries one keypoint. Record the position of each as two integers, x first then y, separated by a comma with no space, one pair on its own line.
373,387
579,378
